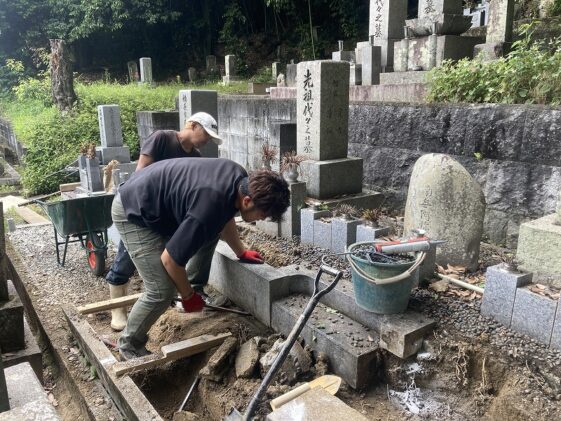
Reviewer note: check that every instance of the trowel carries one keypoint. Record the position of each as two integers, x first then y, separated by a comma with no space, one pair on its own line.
235,415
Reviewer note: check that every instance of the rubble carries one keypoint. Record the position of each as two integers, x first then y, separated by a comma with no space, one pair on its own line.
220,361
297,362
247,358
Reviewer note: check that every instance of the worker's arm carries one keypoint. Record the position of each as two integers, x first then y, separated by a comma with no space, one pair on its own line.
190,300
144,161
177,274
231,237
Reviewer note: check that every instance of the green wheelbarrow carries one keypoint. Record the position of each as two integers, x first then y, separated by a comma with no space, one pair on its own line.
86,219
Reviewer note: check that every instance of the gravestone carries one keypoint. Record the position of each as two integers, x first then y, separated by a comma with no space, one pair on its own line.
387,18
445,201
276,69
111,135
355,75
322,105
342,55
291,72
133,71
192,73
95,180
371,64
499,30
433,8
193,101
210,64
146,70
230,68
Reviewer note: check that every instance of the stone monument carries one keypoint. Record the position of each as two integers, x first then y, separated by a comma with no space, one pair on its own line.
387,18
276,70
146,70
499,30
194,101
132,68
342,55
445,201
111,135
371,62
322,108
434,36
291,70
230,69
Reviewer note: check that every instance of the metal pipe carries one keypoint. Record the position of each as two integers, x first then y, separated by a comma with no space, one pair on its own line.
462,284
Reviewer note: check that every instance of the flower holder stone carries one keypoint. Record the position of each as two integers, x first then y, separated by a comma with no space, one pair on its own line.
501,289
369,232
307,218
343,234
322,233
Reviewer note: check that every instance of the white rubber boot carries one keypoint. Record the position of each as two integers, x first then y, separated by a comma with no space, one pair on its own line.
118,315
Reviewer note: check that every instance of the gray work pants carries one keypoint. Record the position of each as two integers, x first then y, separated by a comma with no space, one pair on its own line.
145,248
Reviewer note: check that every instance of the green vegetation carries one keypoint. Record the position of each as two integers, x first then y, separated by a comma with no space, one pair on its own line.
53,139
531,74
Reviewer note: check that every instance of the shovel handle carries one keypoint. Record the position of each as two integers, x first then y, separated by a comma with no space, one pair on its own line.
287,397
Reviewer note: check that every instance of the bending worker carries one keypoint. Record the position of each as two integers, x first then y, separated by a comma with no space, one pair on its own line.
199,129
168,214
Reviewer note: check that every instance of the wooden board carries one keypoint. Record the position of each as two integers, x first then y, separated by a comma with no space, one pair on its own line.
171,352
69,186
109,304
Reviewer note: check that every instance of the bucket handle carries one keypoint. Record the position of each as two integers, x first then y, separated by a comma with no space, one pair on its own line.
393,279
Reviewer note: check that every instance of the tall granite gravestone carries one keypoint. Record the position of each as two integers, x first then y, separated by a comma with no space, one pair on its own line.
194,101
276,69
230,69
192,74
499,30
445,201
132,68
371,64
291,70
434,36
387,18
111,135
322,108
146,70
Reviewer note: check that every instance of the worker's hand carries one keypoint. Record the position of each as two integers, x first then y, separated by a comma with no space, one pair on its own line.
193,304
250,256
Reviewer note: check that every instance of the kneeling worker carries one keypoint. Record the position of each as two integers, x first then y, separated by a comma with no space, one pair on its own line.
173,209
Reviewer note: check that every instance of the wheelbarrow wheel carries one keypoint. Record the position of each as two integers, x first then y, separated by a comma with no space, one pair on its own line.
96,259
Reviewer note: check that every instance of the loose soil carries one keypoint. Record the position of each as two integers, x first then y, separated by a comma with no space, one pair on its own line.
470,368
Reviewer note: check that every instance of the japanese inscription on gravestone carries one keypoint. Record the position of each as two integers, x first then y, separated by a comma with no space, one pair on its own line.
377,18
308,110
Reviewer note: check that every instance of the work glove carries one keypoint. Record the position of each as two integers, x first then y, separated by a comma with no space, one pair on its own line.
250,256
193,304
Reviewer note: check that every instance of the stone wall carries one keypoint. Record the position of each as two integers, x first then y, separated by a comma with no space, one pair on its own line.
514,152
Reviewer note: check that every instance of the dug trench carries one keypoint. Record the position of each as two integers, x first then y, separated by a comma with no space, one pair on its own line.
469,368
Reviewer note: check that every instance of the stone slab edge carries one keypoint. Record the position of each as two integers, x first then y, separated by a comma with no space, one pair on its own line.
17,271
124,392
31,353
400,334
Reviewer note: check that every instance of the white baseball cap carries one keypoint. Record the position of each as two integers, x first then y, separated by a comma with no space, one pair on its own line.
209,124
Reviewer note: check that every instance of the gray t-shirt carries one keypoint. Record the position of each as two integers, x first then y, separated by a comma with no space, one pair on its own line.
188,200
164,144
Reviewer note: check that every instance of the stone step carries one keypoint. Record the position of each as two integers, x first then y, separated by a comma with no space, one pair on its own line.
28,400
30,354
352,349
11,322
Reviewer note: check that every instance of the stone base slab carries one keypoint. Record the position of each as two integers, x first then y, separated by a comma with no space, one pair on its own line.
401,78
539,249
352,349
28,400
256,287
533,315
119,153
11,322
367,199
331,178
491,51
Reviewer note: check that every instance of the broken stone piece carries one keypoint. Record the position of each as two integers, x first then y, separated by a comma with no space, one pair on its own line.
297,362
219,361
247,358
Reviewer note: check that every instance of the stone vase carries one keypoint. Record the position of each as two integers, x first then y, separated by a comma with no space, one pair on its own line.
291,173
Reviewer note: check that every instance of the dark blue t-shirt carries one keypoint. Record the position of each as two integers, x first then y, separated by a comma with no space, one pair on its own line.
188,200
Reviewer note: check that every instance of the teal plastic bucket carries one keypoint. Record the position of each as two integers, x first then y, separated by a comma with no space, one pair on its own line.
388,298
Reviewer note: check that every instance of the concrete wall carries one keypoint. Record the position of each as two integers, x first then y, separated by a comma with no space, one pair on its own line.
519,149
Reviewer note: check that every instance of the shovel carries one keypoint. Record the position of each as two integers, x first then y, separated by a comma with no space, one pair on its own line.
329,383
235,415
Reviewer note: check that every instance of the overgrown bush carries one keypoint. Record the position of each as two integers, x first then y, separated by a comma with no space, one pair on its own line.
531,74
263,75
11,72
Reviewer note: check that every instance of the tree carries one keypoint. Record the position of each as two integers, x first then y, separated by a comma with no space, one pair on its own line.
62,82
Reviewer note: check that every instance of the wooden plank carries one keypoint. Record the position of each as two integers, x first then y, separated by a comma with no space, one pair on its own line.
31,217
69,186
109,304
171,352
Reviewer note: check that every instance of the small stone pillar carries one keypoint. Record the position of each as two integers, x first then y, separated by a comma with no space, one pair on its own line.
192,73
192,101
230,68
371,64
275,70
291,71
132,67
146,70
